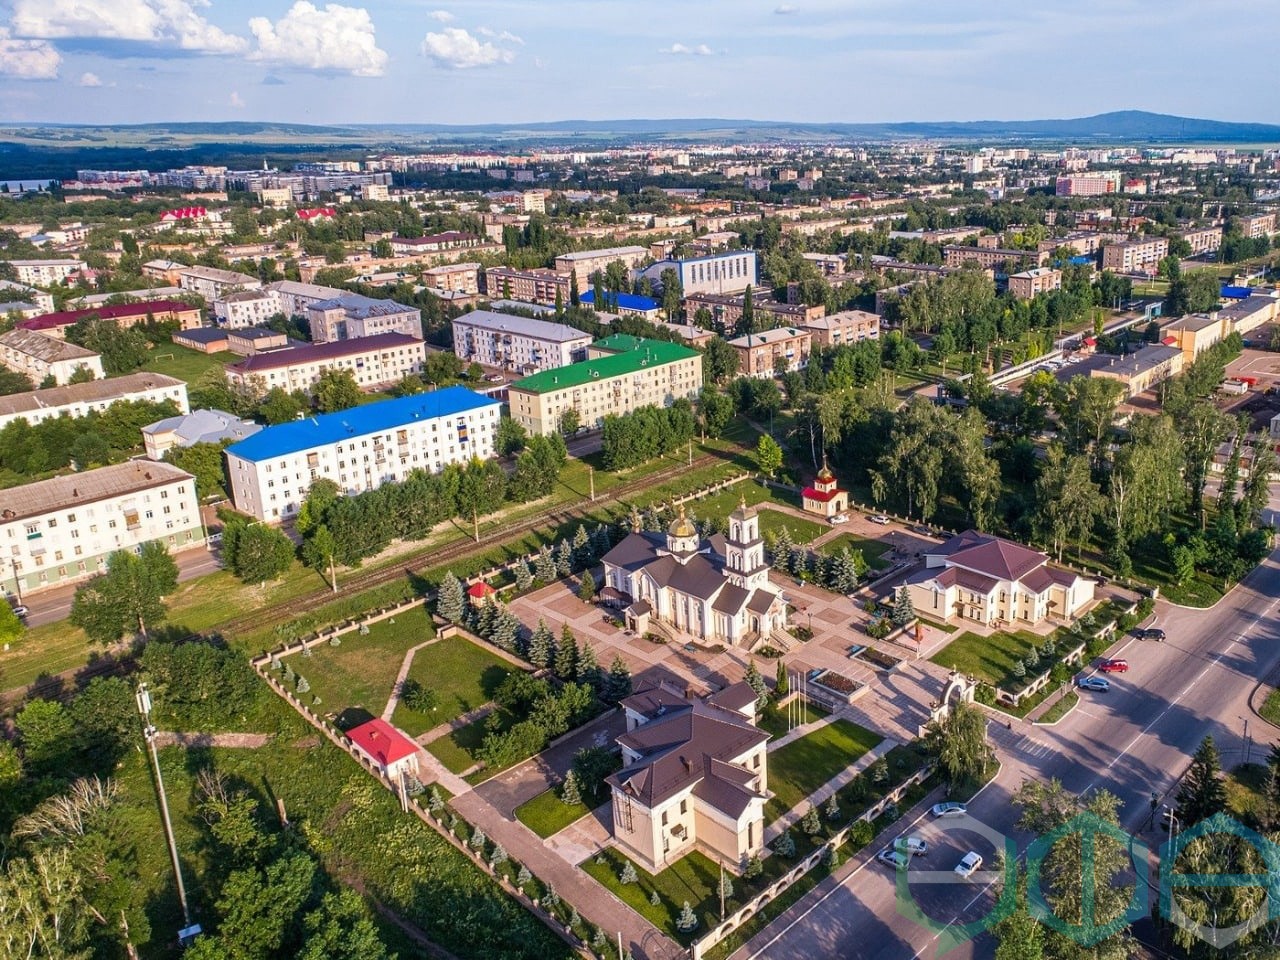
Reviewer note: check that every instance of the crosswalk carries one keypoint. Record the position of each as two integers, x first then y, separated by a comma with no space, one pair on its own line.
1019,742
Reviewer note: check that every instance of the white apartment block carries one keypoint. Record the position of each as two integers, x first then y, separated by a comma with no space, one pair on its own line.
61,530
245,308
1203,239
31,295
293,298
38,356
77,399
212,283
729,272
1135,256
359,449
373,361
351,316
454,278
581,265
45,273
517,343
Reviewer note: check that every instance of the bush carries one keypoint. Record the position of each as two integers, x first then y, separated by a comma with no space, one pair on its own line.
985,694
860,834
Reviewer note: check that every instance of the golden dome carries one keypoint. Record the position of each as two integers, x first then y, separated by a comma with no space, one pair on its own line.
825,473
682,526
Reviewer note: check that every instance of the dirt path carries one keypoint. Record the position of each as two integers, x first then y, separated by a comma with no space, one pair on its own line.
250,741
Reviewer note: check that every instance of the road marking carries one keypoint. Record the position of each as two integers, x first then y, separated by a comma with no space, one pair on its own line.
978,896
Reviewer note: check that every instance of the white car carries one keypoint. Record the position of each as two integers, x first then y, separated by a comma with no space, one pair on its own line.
879,518
950,809
892,858
494,378
838,519
912,846
969,864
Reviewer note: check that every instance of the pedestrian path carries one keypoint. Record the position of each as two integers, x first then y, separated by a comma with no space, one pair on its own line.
444,729
1020,740
824,792
394,699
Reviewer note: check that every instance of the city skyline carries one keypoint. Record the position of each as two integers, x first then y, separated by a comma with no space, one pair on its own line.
485,61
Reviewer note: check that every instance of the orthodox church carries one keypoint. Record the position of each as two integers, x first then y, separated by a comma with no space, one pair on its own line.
716,589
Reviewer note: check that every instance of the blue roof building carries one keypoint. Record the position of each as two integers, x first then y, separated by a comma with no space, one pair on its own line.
1236,293
625,304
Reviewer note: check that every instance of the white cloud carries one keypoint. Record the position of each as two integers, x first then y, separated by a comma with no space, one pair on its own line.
457,49
235,101
171,22
505,36
90,80
27,59
785,10
442,16
683,50
337,38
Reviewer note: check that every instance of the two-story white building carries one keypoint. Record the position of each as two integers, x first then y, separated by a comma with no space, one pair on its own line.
359,449
517,343
61,530
77,399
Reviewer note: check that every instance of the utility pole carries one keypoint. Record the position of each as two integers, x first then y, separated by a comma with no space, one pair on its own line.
333,575
591,478
189,931
721,891
475,523
691,453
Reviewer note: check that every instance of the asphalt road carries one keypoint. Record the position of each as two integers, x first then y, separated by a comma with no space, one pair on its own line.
1134,740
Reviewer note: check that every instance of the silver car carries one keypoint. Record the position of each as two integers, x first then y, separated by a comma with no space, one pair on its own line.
969,864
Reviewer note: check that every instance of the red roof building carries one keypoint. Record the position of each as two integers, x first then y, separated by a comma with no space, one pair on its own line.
387,748
312,213
184,213
480,593
825,497
124,314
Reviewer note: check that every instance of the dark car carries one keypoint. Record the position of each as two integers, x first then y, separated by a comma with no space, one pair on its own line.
1153,633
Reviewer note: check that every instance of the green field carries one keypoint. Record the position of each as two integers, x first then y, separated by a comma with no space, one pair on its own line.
774,720
802,531
987,658
547,814
873,551
463,677
175,361
804,765
358,675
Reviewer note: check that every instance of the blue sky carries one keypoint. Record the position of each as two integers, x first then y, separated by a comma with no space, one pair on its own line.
485,61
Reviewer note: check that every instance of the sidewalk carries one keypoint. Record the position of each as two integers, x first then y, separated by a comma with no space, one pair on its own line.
824,792
405,665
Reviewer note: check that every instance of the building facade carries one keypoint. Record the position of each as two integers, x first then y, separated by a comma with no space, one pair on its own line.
359,449
245,308
183,314
1135,256
1138,371
211,283
825,498
45,273
351,316
843,328
729,272
199,426
582,264
538,285
993,258
373,361
77,399
1203,239
61,530
726,310
41,357
517,343
621,374
1030,283
1253,226
769,352
463,278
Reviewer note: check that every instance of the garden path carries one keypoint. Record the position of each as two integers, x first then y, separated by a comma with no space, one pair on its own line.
824,792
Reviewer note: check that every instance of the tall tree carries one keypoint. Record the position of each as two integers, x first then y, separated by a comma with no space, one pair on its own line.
1067,500
1203,428
1086,409
128,595
1202,792
768,456
336,389
959,741
255,552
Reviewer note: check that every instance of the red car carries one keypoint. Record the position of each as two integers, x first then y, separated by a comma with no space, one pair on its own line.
1114,666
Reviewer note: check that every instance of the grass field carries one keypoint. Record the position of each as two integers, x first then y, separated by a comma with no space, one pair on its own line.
692,878
1061,708
463,677
359,674
802,531
187,365
774,720
803,765
873,551
1271,707
547,814
987,658
1246,792
456,750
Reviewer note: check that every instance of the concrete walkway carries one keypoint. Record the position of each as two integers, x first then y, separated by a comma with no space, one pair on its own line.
444,729
394,700
824,792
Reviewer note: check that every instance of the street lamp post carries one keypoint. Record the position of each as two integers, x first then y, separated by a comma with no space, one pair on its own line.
188,930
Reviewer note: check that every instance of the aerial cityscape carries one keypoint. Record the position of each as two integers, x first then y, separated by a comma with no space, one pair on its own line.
636,481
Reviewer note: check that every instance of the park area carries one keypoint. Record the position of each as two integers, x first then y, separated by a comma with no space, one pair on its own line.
873,551
802,766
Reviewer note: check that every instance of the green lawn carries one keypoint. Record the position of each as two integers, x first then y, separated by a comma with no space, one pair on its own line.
546,813
1246,792
692,878
802,766
987,658
774,719
802,531
873,551
1061,708
457,749
360,673
175,361
1271,707
462,675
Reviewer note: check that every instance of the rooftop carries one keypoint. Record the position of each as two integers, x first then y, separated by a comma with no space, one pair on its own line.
94,391
324,351
217,275
626,301
117,311
1131,364
382,741
205,426
48,349
205,335
606,252
319,431
523,326
764,337
117,480
358,305
637,354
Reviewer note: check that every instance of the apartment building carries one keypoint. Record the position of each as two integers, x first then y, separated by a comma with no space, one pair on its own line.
359,449
164,270
843,328
374,362
211,283
1135,256
1086,185
1138,371
351,316
434,243
1085,243
45,273
517,343
538,285
77,399
293,297
245,308
463,278
39,357
729,272
30,295
621,374
764,354
61,530
1203,239
55,325
1029,283
581,265
992,258
726,310
1253,226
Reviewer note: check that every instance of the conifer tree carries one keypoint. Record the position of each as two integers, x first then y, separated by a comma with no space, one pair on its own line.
450,600
542,646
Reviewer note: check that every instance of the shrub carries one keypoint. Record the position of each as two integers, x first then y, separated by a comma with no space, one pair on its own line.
687,922
1019,670
655,899
860,834
810,823
753,867
985,694
628,874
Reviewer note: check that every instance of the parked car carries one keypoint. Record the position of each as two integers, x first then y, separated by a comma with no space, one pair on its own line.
1114,665
494,378
969,864
892,858
912,846
21,610
949,809
1099,684
1153,633
879,518
838,519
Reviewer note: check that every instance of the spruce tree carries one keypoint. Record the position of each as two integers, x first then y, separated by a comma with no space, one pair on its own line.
756,683
1202,793
566,660
782,684
570,794
583,555
542,646
628,874
523,575
544,567
450,599
587,669
904,611
725,887
564,558
687,922
601,542
505,631
523,876
487,618
618,682
810,823
833,808
586,586
785,845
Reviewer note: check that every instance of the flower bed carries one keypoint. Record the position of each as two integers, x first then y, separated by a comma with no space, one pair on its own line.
836,682
878,658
